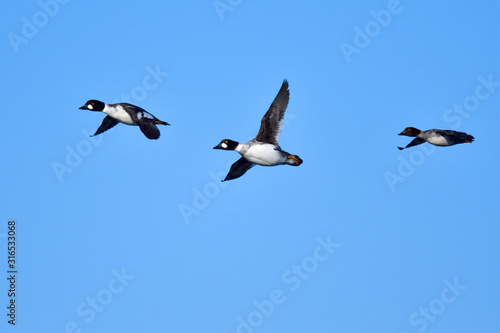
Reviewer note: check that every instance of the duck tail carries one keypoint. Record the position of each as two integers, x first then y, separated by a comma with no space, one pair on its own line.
294,160
468,138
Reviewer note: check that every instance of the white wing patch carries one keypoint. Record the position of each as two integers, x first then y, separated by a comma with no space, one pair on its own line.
147,115
143,114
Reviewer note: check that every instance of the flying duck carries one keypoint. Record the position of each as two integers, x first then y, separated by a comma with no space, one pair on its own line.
127,114
436,137
264,149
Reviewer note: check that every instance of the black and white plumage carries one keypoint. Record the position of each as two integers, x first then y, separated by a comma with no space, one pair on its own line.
264,149
436,137
127,114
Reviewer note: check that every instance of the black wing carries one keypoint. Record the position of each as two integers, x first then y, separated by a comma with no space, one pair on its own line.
414,142
272,122
239,168
459,136
107,123
149,129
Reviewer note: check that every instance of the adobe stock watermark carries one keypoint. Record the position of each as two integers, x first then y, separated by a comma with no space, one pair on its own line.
31,26
454,116
483,91
223,6
95,304
75,154
292,279
150,81
204,194
425,315
363,36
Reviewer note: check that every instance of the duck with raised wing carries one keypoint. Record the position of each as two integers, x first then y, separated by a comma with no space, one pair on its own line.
264,149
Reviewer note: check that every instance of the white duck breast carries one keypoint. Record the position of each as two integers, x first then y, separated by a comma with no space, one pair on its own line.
264,154
119,113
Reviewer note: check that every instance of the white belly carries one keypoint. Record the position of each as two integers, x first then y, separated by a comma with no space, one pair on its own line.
438,140
264,154
120,114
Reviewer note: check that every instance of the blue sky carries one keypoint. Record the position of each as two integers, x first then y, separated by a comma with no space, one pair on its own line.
119,233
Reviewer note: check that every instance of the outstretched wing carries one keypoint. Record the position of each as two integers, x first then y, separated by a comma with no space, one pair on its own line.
414,142
149,129
272,122
107,123
239,168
